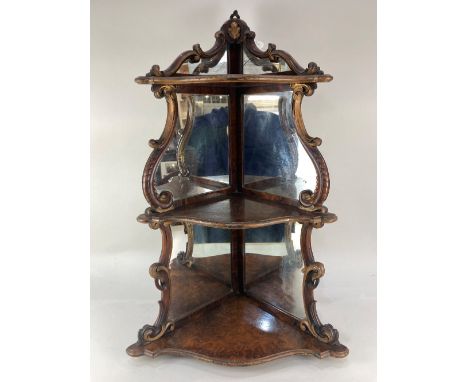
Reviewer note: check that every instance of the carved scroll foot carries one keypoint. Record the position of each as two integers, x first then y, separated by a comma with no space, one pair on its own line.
150,333
324,333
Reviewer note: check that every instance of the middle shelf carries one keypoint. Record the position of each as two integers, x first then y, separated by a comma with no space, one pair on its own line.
236,211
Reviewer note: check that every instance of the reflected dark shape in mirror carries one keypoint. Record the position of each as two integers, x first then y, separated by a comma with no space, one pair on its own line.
196,160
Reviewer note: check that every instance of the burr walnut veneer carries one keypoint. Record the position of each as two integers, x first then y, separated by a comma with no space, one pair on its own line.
236,169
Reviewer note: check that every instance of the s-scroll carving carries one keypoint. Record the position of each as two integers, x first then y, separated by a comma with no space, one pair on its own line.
164,200
208,58
275,55
160,272
310,199
313,271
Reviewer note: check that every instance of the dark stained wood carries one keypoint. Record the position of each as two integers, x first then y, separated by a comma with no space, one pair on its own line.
207,182
235,308
193,288
237,260
249,88
218,267
235,79
237,333
237,212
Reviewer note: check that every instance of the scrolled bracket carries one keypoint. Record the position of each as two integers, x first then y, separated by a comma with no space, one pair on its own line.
313,272
325,333
160,272
164,200
310,199
150,333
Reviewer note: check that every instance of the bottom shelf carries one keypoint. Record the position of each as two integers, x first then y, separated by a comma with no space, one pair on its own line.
237,332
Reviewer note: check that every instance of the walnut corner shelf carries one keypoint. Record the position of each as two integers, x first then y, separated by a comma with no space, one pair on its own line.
236,169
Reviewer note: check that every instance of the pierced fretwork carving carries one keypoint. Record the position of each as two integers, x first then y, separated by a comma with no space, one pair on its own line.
234,31
209,58
275,55
313,271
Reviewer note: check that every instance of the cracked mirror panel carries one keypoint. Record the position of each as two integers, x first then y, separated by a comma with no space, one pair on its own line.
196,160
275,161
200,268
273,267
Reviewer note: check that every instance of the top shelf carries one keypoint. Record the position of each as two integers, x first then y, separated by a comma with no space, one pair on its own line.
234,79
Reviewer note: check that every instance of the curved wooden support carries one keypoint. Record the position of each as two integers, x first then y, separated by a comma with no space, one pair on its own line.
186,257
308,198
209,58
183,170
313,271
164,200
160,272
275,55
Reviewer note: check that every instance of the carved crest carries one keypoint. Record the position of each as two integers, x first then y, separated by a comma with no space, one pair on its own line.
234,30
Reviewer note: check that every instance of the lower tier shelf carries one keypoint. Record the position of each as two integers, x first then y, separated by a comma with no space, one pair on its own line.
237,333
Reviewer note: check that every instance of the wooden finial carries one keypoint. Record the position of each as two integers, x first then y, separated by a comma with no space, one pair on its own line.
234,14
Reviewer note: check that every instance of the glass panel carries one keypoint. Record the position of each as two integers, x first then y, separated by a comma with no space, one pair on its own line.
206,67
275,160
202,277
196,160
273,265
254,65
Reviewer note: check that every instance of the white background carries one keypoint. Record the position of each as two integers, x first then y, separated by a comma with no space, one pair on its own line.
422,197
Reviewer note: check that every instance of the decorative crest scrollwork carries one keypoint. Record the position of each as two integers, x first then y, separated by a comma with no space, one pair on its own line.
275,55
209,58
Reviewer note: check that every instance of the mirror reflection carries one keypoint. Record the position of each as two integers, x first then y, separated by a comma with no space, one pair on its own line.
275,160
196,160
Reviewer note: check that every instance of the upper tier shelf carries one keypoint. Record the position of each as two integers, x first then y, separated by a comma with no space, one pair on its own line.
235,79
237,212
